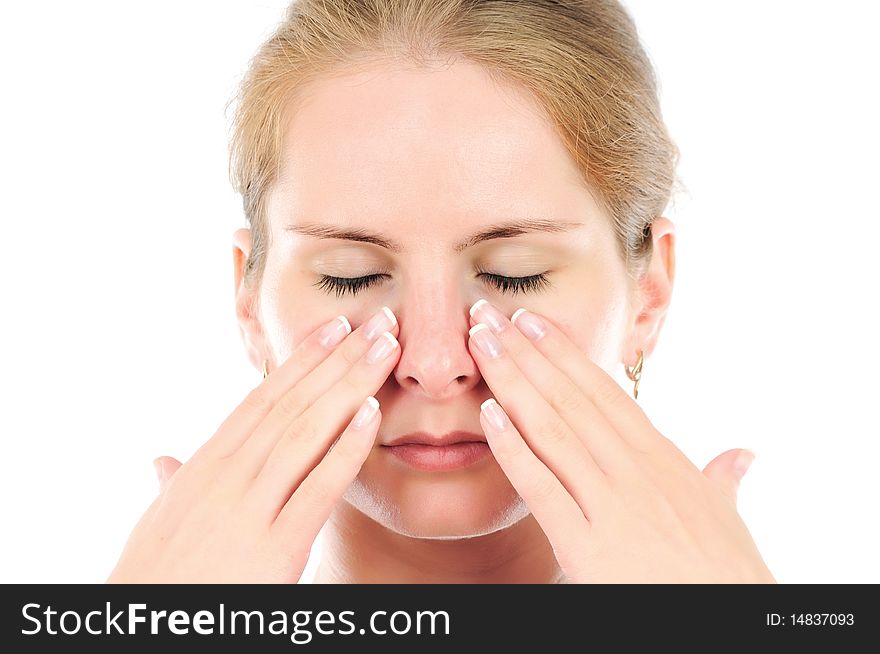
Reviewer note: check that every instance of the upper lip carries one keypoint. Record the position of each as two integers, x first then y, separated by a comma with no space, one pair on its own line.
425,438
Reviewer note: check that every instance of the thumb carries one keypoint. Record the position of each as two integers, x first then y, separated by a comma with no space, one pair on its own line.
728,468
165,467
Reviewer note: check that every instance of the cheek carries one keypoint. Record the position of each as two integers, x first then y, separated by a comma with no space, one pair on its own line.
289,311
596,324
608,332
590,303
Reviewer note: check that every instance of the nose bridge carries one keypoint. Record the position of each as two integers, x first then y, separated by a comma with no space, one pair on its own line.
434,323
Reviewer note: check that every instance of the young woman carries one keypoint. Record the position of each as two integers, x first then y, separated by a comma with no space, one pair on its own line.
455,215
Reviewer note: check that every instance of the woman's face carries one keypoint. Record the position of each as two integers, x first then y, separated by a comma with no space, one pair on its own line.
425,160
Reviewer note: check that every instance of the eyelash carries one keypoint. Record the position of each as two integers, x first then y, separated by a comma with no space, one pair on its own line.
512,285
342,285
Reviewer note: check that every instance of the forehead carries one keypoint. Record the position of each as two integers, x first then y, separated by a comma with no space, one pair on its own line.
393,140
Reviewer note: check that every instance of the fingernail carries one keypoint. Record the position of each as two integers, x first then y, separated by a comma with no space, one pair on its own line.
742,463
486,340
336,330
383,346
482,311
366,412
494,413
382,320
529,324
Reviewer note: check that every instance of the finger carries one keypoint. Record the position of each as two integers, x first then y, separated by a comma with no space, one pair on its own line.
562,518
622,413
308,508
165,467
727,470
547,435
239,425
309,389
307,438
612,453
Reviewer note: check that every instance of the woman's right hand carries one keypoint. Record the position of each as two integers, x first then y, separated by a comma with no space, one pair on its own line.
249,503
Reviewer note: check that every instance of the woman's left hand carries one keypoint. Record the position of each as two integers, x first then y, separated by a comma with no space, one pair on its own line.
618,501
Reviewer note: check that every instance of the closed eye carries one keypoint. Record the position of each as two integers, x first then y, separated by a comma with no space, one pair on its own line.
514,285
342,285
511,285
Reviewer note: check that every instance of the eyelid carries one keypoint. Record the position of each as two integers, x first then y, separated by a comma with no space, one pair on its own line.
342,285
524,284
503,283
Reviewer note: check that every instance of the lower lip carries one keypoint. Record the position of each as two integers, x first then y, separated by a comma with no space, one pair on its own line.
436,458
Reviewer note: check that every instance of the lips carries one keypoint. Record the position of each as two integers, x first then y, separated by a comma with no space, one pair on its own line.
424,438
432,453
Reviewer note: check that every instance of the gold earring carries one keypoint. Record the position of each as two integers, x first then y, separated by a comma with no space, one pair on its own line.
265,371
635,374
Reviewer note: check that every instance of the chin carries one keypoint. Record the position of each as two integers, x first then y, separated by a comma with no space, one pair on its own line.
472,501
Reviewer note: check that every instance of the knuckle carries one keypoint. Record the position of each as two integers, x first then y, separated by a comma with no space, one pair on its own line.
292,404
609,393
568,397
303,429
257,400
554,431
544,489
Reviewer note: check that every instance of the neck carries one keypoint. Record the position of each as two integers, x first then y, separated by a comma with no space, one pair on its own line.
356,549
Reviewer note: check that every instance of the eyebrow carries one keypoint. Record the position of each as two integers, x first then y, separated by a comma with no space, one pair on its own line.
506,229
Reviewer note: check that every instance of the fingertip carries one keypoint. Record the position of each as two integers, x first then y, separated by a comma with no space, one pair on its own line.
494,414
159,468
390,314
367,413
165,467
743,460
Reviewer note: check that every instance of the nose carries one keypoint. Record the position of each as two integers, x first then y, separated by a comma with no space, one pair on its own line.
435,361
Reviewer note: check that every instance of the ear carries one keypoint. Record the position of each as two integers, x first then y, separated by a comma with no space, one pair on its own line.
654,292
245,301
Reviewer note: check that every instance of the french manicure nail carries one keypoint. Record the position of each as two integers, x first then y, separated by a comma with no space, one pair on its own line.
486,340
482,311
366,412
529,324
382,320
336,330
494,413
383,346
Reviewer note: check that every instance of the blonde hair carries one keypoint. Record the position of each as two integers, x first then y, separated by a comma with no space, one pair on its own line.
582,60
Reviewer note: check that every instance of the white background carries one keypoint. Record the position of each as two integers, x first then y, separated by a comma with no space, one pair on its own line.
119,341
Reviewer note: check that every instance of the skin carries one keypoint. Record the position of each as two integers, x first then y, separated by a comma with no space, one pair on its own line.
581,486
